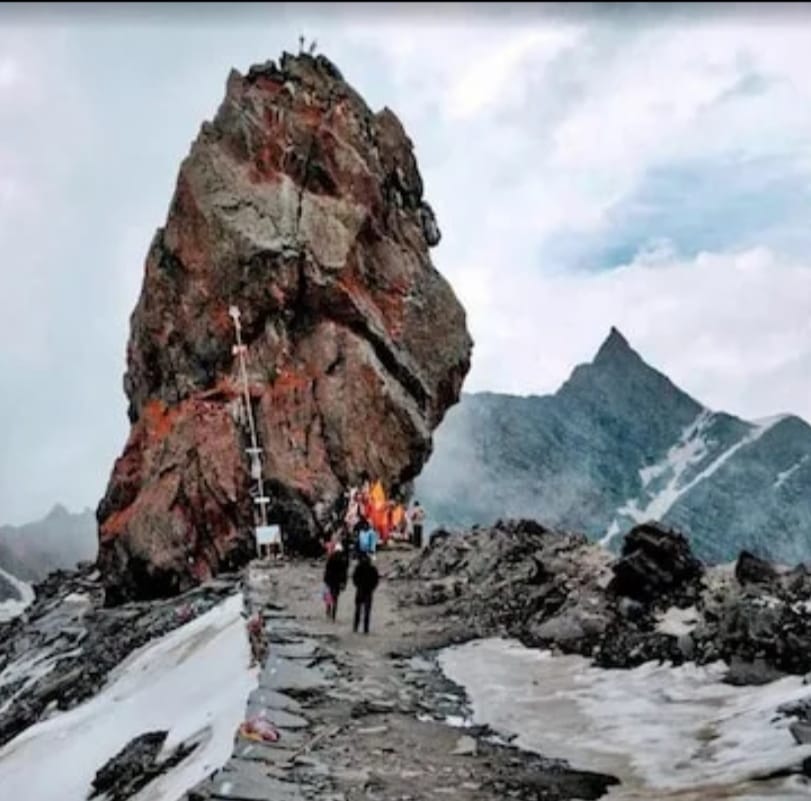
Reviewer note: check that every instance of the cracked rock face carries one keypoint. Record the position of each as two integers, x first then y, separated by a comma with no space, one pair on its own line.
305,209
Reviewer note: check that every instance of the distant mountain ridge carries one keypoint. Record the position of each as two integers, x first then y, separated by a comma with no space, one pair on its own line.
618,444
60,540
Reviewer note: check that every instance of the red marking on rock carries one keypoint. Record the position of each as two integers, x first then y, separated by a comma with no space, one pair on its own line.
352,362
269,86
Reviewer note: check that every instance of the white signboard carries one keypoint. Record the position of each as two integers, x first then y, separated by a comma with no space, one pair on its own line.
268,535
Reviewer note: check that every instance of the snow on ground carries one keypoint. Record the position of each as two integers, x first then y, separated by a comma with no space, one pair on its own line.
677,622
193,682
666,732
14,608
26,671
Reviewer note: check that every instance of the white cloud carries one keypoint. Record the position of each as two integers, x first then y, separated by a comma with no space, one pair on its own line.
487,79
711,323
522,161
9,72
526,130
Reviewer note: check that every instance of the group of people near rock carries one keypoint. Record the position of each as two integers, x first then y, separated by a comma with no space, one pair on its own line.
367,506
369,520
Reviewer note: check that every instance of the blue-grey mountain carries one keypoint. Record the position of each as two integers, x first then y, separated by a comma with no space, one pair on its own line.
619,444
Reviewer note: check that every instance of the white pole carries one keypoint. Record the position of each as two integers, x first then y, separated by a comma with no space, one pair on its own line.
254,451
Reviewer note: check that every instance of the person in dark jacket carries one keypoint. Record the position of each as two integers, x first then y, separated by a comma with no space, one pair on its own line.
417,522
335,578
365,579
346,542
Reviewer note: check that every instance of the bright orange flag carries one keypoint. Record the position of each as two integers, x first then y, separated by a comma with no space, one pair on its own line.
378,495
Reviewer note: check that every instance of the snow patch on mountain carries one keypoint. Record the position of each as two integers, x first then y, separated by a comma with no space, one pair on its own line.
755,434
771,420
14,607
690,450
785,475
193,683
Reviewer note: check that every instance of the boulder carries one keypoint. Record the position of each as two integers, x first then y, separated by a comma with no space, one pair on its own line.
759,635
627,647
305,209
574,628
750,569
797,583
656,565
743,672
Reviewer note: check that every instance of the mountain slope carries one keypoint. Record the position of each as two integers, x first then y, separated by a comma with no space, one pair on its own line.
59,540
618,444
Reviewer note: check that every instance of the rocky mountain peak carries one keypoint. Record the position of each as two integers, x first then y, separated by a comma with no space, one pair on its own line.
306,209
620,381
615,355
58,512
614,347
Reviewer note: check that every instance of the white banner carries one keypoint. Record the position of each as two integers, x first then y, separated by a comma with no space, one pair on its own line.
268,535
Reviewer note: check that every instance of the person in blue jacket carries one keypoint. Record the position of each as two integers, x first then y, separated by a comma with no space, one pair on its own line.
367,540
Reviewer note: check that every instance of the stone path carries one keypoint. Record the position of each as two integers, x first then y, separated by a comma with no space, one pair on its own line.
359,717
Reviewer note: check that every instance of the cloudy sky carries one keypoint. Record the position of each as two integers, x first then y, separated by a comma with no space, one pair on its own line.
647,167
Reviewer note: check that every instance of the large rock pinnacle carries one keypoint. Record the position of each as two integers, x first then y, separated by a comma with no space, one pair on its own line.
305,209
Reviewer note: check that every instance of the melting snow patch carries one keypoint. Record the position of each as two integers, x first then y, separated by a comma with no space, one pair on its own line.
665,732
193,682
29,670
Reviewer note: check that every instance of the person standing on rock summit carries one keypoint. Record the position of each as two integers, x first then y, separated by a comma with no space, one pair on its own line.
335,575
365,579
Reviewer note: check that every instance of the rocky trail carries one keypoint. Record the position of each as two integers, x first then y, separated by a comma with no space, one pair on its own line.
369,717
